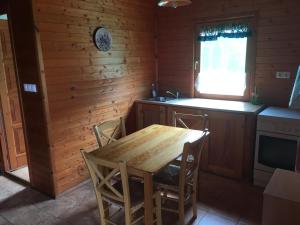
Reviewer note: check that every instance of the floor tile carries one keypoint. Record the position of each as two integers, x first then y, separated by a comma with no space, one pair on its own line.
211,219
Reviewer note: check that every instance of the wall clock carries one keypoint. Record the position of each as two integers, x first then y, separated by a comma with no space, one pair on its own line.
102,39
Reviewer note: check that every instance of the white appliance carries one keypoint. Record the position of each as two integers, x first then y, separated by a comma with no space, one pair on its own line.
277,141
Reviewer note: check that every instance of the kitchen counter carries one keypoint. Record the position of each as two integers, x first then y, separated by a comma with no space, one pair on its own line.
210,104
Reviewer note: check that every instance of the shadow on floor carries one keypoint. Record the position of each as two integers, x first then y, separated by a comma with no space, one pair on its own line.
221,201
22,198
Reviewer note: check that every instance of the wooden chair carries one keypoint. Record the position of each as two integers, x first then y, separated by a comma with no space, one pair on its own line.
199,122
179,183
181,119
109,131
125,193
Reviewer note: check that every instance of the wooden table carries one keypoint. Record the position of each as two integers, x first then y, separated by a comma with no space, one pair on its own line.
146,152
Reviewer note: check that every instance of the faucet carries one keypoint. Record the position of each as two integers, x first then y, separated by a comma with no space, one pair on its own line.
175,95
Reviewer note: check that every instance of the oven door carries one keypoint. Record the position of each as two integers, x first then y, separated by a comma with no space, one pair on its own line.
298,158
275,151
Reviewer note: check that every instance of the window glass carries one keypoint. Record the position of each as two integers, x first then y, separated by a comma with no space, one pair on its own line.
3,17
222,67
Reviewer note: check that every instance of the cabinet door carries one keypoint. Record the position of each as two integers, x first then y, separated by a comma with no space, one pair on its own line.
150,114
190,124
226,144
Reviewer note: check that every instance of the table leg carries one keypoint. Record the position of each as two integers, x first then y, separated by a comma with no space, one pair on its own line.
148,195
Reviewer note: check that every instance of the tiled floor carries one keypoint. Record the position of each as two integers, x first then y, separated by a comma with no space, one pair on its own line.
22,173
223,202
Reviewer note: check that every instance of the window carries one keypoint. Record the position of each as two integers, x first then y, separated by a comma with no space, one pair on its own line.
3,17
223,54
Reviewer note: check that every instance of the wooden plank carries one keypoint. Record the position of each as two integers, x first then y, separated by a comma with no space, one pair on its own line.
83,85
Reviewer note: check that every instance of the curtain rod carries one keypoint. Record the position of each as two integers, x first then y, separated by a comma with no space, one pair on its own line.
224,18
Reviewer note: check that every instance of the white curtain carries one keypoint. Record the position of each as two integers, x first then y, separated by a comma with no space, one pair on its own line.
222,67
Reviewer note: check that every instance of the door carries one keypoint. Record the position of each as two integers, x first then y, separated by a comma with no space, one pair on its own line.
226,144
3,145
298,157
10,102
148,114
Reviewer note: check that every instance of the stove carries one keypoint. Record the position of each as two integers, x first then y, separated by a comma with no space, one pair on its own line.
277,142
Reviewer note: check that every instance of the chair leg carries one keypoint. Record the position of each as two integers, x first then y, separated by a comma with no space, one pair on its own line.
158,208
127,216
194,195
181,212
194,203
102,214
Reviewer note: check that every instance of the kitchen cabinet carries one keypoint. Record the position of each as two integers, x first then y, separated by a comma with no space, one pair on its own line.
230,148
148,114
224,155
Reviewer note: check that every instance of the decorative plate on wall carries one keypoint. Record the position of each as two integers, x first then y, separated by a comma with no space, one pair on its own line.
102,39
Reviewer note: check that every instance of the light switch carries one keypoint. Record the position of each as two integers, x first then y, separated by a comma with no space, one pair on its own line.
30,88
283,75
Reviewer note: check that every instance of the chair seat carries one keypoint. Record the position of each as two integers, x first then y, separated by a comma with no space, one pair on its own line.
168,176
136,190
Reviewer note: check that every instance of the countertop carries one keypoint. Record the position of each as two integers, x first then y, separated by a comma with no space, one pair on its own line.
210,104
281,113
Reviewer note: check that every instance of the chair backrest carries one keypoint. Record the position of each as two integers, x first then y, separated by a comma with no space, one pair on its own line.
109,131
183,120
102,173
189,165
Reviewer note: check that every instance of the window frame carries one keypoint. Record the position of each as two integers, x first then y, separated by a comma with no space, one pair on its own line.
250,57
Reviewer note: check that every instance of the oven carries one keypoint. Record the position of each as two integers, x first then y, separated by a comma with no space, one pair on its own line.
298,159
275,151
277,143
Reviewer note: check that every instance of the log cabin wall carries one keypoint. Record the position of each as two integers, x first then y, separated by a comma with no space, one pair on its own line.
278,43
85,86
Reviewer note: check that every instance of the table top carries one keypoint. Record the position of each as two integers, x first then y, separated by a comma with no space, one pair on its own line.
149,149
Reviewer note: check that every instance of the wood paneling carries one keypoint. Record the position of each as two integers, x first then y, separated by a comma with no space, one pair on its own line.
83,85
278,47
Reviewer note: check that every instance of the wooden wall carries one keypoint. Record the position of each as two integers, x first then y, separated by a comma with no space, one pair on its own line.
85,86
278,43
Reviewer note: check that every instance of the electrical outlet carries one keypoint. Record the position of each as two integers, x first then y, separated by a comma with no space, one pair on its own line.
30,88
283,75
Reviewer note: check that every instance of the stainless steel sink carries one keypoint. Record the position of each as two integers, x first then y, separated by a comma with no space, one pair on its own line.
160,99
